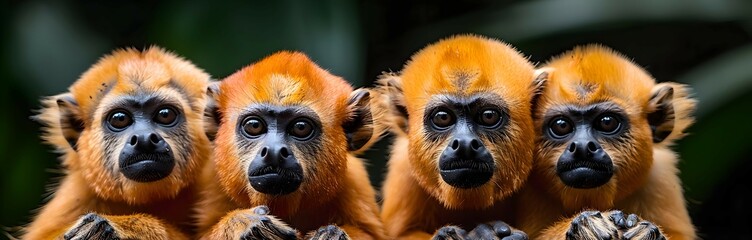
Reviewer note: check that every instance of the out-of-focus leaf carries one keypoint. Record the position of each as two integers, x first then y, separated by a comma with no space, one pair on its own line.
713,146
51,48
234,36
721,79
534,19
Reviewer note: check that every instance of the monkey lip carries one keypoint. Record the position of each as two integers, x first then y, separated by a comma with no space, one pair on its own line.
272,170
585,164
146,157
466,164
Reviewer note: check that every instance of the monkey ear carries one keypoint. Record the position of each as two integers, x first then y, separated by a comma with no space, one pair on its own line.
362,127
670,112
212,116
540,79
62,121
390,88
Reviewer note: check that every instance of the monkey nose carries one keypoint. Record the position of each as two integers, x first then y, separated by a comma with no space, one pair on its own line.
275,155
146,142
467,147
584,148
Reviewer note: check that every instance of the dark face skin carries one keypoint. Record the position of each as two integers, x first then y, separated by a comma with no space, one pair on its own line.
581,130
467,122
275,131
141,121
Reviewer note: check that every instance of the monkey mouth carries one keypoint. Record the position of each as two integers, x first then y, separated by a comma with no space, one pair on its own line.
147,167
273,170
275,180
461,164
584,174
466,173
595,166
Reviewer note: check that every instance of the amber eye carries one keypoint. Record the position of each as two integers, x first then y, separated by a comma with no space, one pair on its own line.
254,126
119,120
166,116
489,118
607,124
442,119
560,127
301,129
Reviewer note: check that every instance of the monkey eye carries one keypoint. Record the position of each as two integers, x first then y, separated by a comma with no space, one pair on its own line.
119,120
442,119
608,124
489,118
254,126
166,116
560,127
301,129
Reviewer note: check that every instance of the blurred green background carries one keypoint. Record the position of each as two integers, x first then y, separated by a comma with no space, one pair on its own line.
46,45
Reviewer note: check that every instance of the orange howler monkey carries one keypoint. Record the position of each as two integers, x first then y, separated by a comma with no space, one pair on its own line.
287,139
132,137
604,134
461,113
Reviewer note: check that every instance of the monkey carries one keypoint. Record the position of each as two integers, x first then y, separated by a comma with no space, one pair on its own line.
604,131
131,134
285,162
460,111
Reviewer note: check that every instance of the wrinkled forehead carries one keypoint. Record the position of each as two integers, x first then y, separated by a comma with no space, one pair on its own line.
284,90
584,89
475,68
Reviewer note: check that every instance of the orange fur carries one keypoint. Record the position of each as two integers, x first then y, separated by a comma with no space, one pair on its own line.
335,189
93,182
645,180
416,201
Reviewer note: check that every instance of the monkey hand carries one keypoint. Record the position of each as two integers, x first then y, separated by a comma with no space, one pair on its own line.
256,223
633,227
450,233
327,232
91,226
593,225
496,230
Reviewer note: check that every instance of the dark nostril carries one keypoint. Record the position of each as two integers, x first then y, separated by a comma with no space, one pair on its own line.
263,151
134,140
284,152
572,147
154,138
455,144
592,147
475,144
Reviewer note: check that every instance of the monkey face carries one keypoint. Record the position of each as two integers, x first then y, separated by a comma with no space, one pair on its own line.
464,105
279,137
134,123
599,118
467,124
273,132
582,131
140,122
